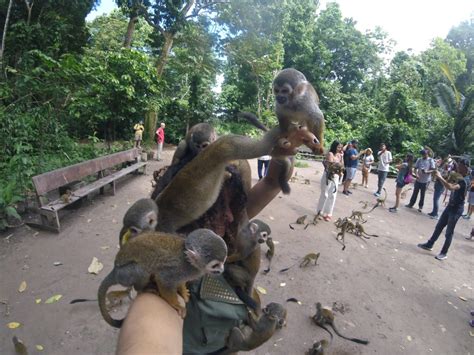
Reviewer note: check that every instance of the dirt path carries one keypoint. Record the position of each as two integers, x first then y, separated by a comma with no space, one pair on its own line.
385,289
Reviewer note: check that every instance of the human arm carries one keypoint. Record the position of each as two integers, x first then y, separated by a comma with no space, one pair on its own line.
152,326
447,185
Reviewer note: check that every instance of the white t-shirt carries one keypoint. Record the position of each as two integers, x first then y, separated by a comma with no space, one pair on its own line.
265,157
368,160
384,160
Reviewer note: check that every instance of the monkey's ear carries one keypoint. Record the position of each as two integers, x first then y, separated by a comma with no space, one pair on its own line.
193,257
253,227
300,89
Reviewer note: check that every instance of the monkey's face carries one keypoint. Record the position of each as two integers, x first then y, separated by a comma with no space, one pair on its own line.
276,311
262,237
282,93
215,267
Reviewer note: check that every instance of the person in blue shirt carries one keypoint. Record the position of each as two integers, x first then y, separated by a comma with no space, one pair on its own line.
350,164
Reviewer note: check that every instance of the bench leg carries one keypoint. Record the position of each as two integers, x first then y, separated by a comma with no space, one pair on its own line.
112,184
49,221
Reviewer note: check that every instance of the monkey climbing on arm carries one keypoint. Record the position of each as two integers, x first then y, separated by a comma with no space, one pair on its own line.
167,260
141,216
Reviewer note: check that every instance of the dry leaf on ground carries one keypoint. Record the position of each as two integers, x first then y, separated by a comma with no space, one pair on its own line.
22,287
53,299
95,266
13,325
261,290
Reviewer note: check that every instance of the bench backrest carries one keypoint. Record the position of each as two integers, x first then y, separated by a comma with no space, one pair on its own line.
54,179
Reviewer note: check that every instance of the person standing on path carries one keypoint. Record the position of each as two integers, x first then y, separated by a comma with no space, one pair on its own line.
160,139
403,178
385,158
424,166
451,213
351,164
367,161
138,134
329,184
444,167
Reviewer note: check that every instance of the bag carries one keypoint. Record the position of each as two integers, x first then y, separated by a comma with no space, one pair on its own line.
408,179
213,310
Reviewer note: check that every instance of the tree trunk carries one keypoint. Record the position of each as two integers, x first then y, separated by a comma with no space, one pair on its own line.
2,48
165,51
29,7
150,125
127,43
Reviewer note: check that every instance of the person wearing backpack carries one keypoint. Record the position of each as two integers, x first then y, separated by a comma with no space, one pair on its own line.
404,177
424,166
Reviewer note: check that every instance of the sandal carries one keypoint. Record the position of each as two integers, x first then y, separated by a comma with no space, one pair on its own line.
327,218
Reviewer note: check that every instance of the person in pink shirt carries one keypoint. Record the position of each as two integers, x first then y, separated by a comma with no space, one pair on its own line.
160,139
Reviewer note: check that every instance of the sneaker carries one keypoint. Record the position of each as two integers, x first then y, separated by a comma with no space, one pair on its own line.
350,192
441,256
466,216
392,209
434,217
409,206
366,186
376,194
346,193
419,209
425,246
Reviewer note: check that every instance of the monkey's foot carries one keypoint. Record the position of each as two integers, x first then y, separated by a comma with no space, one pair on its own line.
183,292
171,297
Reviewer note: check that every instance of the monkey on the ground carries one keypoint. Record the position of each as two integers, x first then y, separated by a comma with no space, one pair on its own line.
380,201
249,337
269,254
196,186
360,232
345,226
299,220
358,215
325,316
141,216
318,347
310,258
297,105
198,138
168,262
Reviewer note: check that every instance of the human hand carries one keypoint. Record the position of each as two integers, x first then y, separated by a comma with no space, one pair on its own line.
290,141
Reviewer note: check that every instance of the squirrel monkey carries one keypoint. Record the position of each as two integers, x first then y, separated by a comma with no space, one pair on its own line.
198,138
197,185
141,216
325,316
166,260
249,337
297,105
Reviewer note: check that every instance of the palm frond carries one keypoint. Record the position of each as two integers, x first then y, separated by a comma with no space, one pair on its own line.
446,99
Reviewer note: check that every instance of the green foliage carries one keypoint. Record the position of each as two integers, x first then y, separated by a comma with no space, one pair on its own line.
301,164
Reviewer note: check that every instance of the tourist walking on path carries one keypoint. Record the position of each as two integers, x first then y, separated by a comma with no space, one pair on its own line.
423,168
383,167
444,166
329,184
160,139
404,177
451,213
367,161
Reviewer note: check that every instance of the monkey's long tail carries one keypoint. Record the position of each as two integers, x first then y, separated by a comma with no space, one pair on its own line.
326,329
109,281
78,300
355,340
250,117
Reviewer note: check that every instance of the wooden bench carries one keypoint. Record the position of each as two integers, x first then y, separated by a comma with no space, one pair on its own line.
59,178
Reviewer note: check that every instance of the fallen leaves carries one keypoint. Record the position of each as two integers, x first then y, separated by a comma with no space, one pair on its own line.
13,325
53,299
95,267
22,287
39,347
261,290
38,300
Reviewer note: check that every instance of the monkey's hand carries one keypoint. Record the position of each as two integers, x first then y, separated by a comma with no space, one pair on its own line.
290,141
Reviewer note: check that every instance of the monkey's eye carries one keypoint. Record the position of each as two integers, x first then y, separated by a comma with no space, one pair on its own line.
264,234
285,91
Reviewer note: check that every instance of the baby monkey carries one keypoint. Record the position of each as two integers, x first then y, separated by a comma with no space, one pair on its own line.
318,348
254,233
249,337
167,261
141,216
325,316
198,138
297,105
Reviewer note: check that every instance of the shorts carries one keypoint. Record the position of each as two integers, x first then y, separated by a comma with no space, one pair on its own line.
350,173
365,171
471,197
138,137
400,185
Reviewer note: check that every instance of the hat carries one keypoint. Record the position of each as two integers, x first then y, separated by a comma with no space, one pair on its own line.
354,141
423,152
